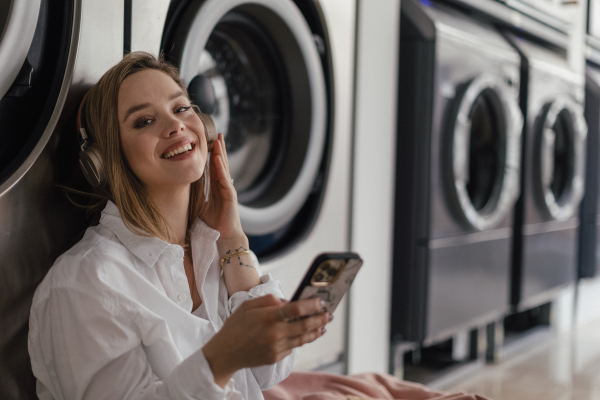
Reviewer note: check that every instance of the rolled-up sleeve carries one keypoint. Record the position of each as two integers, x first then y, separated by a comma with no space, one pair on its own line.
268,286
266,376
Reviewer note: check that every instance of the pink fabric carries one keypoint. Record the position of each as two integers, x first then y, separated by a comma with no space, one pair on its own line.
325,386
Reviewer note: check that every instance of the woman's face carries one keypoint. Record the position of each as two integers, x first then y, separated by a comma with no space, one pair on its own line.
163,139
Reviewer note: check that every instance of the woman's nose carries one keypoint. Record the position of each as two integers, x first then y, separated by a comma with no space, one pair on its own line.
174,126
171,133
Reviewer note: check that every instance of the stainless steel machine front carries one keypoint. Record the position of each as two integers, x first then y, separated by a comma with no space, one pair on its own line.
50,52
554,153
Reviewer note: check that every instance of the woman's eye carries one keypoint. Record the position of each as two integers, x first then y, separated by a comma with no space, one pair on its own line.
181,109
142,122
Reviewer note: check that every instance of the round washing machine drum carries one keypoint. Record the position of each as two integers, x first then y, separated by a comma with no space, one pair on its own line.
482,152
559,158
34,53
255,67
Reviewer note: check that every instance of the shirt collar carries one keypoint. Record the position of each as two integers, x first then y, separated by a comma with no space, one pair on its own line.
201,230
149,248
146,248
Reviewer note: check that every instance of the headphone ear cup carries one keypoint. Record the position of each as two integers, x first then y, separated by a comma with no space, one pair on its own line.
210,128
91,164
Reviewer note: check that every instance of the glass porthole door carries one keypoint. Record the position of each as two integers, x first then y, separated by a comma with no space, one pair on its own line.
483,152
559,158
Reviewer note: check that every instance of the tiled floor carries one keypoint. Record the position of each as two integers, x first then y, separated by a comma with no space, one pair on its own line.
565,367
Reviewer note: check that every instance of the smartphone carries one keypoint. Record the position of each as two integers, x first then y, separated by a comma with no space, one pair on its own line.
329,278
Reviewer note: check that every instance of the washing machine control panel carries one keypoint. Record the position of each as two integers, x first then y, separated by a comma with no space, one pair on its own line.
558,13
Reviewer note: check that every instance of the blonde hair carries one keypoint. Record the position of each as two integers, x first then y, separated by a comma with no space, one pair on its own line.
100,113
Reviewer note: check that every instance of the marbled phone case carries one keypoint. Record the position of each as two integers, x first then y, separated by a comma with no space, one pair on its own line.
334,292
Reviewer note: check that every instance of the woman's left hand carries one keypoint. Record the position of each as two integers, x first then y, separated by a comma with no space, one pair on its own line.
222,212
222,215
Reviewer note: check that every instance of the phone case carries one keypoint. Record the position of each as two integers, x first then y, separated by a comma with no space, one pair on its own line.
331,292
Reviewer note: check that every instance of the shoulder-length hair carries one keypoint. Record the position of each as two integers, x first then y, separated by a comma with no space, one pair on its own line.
100,111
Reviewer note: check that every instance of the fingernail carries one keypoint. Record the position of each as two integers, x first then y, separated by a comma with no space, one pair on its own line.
330,316
323,330
322,303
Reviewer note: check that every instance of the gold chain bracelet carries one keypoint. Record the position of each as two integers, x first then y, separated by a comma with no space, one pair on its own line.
226,257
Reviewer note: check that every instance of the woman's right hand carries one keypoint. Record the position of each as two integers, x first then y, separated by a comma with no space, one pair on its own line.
256,334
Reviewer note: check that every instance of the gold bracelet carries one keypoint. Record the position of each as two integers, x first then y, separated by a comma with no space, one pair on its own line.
226,257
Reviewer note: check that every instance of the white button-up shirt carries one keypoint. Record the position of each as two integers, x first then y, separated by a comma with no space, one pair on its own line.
112,320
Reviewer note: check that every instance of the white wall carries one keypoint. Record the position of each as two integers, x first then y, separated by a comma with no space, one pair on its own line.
577,13
588,301
373,182
562,318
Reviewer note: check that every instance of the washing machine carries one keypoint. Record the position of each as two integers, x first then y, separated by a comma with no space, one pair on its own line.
50,52
546,225
457,176
276,76
588,214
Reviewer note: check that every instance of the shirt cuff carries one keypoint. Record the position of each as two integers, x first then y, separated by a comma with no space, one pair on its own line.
193,379
268,286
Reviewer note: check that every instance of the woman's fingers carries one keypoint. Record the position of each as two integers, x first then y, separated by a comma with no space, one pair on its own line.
222,174
308,324
307,337
302,308
222,169
224,150
220,150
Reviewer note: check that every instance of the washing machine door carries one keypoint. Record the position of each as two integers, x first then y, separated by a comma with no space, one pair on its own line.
559,158
34,50
255,67
483,149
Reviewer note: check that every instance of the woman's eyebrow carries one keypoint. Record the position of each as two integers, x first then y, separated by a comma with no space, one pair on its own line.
177,94
134,109
144,105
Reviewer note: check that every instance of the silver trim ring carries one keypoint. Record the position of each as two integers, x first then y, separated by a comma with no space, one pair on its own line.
268,219
16,40
509,190
545,161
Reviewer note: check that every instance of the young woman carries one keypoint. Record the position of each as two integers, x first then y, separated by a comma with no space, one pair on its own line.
162,298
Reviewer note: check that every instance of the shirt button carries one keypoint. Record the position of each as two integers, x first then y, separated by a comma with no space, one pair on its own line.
182,296
177,251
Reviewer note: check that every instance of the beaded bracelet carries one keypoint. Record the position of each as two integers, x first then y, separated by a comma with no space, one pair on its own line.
226,257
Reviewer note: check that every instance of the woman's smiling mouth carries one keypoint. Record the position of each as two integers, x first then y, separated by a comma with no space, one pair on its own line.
179,151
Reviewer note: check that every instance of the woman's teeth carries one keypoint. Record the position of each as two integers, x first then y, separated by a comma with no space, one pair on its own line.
179,150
